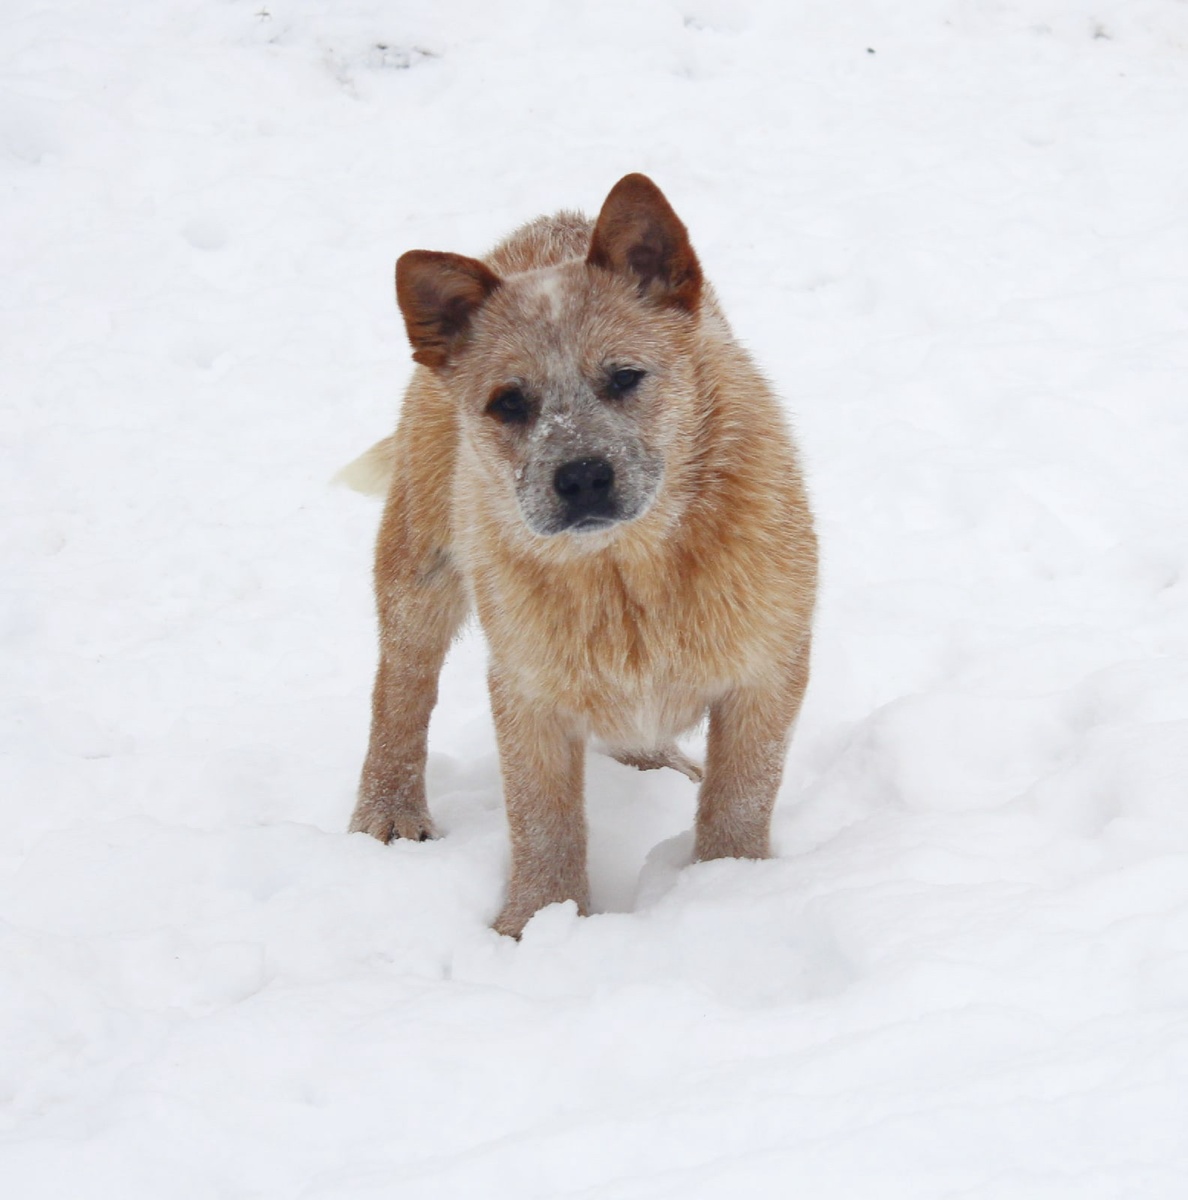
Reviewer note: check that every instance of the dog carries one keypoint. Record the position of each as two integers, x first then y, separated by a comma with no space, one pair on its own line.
587,457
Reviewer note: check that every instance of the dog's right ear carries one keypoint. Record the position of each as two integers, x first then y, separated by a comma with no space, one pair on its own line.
438,296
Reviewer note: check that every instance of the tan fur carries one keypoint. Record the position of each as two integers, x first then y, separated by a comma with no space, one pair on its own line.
697,599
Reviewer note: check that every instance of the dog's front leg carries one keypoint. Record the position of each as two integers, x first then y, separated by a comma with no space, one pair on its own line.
422,602
748,739
542,762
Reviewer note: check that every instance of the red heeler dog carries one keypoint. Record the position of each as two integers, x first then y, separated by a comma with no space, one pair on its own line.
588,458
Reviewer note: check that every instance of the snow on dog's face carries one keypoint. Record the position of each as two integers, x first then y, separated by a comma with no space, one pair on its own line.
568,379
563,389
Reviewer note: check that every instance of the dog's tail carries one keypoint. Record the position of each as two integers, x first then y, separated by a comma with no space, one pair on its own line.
371,472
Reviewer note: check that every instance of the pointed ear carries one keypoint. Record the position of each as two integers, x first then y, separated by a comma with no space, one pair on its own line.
438,295
637,234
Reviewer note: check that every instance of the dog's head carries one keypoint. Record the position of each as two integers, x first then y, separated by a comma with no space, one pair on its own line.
571,381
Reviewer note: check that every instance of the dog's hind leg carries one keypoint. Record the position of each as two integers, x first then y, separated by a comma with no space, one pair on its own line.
542,761
421,601
653,760
748,739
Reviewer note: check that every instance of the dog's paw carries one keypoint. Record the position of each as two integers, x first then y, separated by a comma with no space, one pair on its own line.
743,841
511,921
387,822
522,907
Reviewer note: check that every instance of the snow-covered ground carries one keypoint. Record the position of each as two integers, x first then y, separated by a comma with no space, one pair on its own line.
956,234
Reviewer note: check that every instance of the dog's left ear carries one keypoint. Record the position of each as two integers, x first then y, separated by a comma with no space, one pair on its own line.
438,295
637,234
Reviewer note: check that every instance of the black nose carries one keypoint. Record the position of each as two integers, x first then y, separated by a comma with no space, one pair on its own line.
585,486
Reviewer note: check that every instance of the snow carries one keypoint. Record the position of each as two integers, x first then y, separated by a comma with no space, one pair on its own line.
955,234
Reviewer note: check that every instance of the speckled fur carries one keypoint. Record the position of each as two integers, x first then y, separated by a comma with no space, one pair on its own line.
700,601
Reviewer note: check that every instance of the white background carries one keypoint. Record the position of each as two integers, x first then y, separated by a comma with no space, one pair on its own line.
955,233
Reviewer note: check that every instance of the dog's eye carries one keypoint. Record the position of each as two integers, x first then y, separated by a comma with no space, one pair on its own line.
509,406
624,379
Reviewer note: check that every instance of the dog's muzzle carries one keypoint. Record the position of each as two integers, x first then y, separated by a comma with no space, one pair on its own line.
586,487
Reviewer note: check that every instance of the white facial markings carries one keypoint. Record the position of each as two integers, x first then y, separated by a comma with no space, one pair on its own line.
548,286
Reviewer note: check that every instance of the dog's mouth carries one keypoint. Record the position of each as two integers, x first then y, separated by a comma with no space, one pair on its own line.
581,525
589,524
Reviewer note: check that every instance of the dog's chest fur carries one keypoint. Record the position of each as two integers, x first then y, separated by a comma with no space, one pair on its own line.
608,647
635,640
